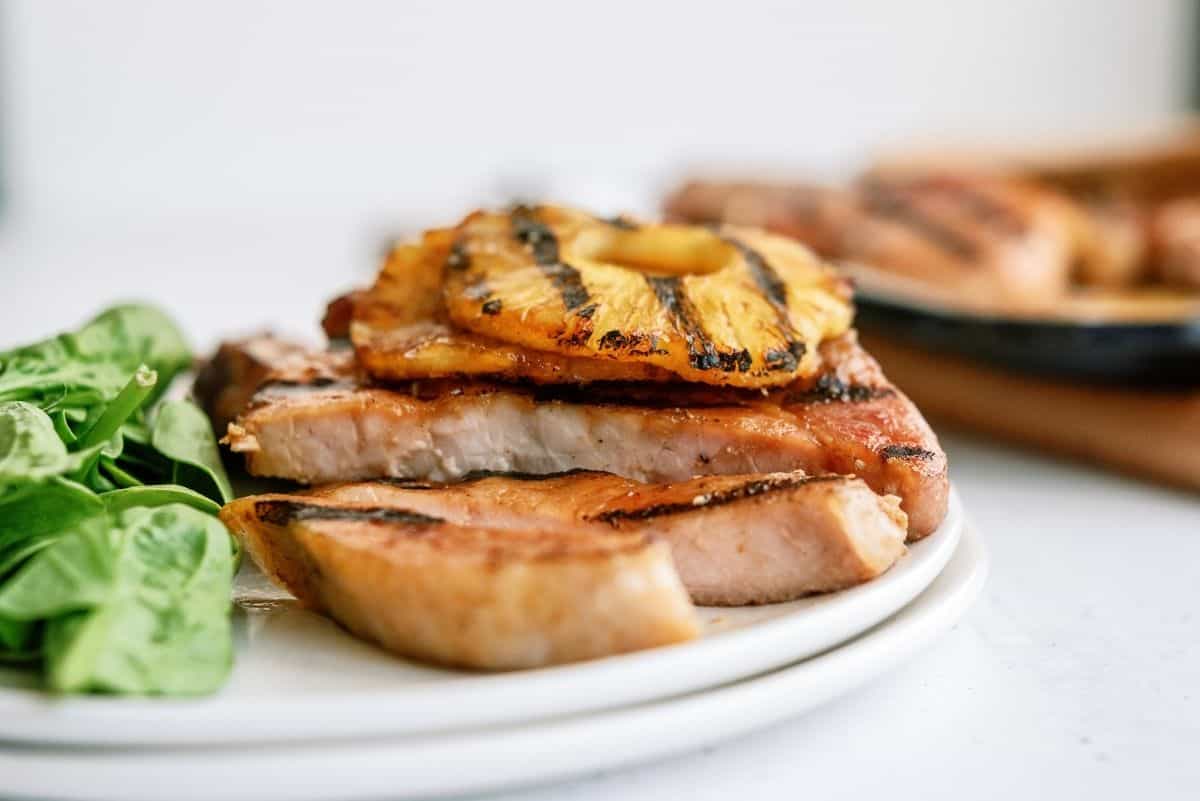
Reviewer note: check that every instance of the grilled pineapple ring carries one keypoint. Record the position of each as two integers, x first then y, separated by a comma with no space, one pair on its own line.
731,306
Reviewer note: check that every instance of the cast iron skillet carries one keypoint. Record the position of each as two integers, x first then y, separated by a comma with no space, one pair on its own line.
1162,354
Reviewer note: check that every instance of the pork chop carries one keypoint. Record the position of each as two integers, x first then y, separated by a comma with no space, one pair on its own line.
468,596
848,420
735,540
975,233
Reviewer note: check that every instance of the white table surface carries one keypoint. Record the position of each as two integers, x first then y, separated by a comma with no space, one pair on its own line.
1076,674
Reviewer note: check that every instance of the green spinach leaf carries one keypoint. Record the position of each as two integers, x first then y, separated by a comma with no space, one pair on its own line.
127,590
134,334
91,365
33,520
30,449
117,474
158,495
18,640
74,572
162,623
183,433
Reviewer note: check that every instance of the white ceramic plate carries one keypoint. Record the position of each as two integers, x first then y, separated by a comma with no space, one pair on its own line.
454,763
299,677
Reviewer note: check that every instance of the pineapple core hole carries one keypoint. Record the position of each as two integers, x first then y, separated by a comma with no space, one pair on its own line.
661,250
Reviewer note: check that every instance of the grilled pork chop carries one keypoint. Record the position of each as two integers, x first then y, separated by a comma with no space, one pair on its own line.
847,420
734,539
977,233
228,382
467,595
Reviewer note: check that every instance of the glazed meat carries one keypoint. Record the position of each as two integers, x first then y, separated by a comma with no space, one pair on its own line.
1111,240
734,539
977,233
815,215
1176,234
470,596
226,384
848,419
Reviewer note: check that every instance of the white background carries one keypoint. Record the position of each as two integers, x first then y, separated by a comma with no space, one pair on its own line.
372,110
269,148
239,161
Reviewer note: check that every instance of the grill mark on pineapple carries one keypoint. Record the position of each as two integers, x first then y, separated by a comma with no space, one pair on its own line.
893,204
480,290
633,342
702,353
623,223
282,513
774,289
543,245
458,259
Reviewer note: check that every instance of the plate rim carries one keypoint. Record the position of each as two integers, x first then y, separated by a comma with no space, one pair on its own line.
31,716
473,761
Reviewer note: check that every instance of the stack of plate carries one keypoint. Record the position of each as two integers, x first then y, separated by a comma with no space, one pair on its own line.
312,713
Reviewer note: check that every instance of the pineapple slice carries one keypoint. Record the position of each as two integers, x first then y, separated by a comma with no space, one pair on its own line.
732,306
400,332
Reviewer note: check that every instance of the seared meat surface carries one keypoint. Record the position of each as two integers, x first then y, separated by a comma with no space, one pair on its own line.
846,420
734,539
975,233
1176,231
470,596
227,383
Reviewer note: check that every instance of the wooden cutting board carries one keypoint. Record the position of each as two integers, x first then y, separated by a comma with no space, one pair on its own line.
1155,435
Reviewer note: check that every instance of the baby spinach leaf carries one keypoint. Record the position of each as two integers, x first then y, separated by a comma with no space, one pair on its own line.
54,378
117,474
158,495
82,464
163,623
129,590
30,449
136,430
33,520
113,417
17,639
147,464
163,494
74,572
183,433
64,425
91,365
103,439
133,334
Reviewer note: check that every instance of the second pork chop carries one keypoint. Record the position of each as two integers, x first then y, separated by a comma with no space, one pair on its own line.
849,420
734,539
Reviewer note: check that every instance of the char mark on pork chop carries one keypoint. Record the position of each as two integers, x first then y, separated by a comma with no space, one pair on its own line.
849,420
710,500
735,539
281,512
467,595
828,388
